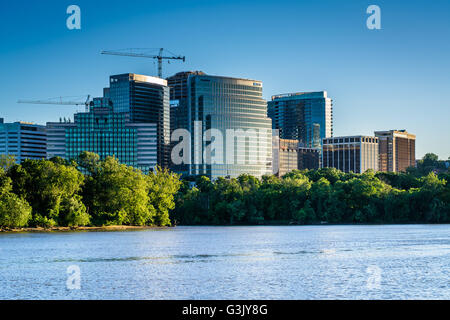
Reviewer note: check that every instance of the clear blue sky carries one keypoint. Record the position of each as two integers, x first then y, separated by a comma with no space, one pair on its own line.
394,78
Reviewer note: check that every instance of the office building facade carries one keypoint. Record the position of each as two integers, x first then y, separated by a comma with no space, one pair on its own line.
23,140
397,150
178,85
308,158
231,115
350,154
284,155
147,100
106,133
303,116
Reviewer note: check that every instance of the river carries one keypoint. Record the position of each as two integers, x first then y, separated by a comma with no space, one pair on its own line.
259,262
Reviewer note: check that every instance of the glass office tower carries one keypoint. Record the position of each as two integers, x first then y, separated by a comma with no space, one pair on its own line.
303,116
146,100
178,84
229,128
106,133
23,140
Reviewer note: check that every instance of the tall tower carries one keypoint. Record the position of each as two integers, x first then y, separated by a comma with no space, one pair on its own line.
146,100
215,107
304,116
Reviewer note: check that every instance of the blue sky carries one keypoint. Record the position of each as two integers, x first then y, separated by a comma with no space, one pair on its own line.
394,78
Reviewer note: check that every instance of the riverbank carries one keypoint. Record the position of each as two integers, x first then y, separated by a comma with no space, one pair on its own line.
72,229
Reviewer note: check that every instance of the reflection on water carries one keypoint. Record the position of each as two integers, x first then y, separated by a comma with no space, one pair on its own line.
291,262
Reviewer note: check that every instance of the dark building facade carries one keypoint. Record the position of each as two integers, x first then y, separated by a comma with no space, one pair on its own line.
308,158
178,85
397,150
303,116
147,100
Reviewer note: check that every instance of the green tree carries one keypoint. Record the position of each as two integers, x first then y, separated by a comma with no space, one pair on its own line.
45,184
118,194
73,212
162,185
14,211
7,161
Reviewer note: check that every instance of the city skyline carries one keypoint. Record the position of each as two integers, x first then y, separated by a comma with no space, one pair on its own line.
379,79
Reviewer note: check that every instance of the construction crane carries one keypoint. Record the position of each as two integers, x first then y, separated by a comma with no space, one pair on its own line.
134,52
60,100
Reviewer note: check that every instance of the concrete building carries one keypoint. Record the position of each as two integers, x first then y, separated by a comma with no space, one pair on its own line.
146,100
397,150
350,154
23,140
284,155
303,116
106,133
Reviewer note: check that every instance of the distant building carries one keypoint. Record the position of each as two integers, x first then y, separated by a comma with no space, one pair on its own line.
106,133
354,153
303,116
308,158
397,150
223,104
284,155
146,100
23,140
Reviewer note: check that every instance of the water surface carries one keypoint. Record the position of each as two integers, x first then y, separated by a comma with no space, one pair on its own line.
290,262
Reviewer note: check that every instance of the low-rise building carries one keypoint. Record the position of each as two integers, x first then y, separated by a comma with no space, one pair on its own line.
350,154
23,140
106,133
397,150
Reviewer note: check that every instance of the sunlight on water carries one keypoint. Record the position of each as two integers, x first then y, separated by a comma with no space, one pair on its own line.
291,262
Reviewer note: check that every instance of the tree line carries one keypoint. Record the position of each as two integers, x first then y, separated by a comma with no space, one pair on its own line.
86,192
316,196
94,192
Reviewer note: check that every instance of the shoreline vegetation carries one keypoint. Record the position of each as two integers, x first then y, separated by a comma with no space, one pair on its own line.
79,228
143,228
89,194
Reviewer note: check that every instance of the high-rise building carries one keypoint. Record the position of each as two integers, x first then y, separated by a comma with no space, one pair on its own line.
284,155
146,100
106,133
23,140
354,153
397,150
303,116
230,132
178,84
308,158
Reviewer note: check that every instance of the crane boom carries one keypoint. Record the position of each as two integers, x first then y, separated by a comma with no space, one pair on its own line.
60,101
160,57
